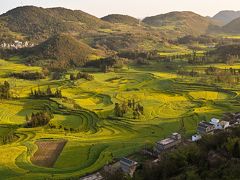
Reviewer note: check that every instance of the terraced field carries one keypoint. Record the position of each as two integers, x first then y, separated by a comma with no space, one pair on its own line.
83,118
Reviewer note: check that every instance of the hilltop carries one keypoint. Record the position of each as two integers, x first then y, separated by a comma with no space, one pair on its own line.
185,22
123,19
226,16
38,23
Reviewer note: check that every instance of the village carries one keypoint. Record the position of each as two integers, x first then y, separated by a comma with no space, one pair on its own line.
16,45
128,166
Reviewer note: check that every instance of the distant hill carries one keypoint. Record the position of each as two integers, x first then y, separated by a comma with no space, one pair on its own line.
60,51
232,27
226,16
118,18
37,22
186,22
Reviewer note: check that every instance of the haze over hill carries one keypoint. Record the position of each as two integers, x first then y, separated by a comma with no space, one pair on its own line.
232,27
226,16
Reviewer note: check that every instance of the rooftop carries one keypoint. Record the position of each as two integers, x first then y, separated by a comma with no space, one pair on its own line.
166,141
128,161
205,124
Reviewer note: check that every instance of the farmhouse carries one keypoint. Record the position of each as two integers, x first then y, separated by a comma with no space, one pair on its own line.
96,176
196,137
128,166
216,123
168,143
205,128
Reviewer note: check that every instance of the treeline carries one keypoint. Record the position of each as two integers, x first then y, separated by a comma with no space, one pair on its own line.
107,64
38,119
150,55
81,75
28,75
203,39
131,106
5,90
230,76
48,93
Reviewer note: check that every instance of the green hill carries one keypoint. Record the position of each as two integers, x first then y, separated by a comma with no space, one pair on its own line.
185,22
39,23
123,19
232,27
59,51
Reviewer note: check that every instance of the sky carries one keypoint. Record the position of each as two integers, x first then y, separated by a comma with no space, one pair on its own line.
136,8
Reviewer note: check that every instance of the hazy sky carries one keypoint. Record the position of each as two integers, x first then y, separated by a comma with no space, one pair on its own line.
137,8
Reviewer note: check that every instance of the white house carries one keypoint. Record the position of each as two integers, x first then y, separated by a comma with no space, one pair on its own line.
196,137
216,123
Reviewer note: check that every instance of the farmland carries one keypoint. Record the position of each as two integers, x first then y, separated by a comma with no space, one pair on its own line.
84,118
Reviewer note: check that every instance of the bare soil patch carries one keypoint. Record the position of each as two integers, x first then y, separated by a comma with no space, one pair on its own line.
48,152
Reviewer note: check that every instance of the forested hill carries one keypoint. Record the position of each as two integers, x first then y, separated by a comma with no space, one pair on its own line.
186,21
59,51
37,22
123,19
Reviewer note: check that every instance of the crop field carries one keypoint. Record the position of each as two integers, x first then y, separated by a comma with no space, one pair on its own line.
84,118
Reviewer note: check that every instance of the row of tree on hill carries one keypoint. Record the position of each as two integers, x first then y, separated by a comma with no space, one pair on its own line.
131,106
46,93
81,75
28,75
38,119
5,90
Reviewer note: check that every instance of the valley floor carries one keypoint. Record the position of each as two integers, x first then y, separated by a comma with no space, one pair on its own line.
168,99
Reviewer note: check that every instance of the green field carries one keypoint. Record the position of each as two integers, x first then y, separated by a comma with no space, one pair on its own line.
167,98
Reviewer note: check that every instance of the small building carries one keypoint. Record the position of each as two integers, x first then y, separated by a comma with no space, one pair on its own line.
128,166
224,124
169,142
196,137
216,123
205,128
96,176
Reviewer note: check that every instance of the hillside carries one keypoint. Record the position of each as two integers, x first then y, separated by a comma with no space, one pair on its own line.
39,23
123,19
60,51
226,16
185,22
232,27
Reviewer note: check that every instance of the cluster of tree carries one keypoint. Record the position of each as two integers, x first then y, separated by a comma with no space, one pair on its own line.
28,75
38,119
107,64
66,129
203,39
136,108
5,90
9,137
230,76
47,93
81,75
